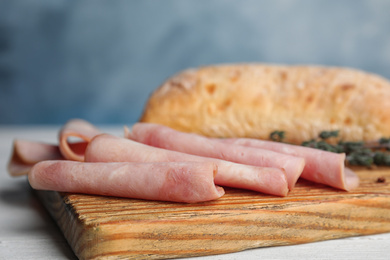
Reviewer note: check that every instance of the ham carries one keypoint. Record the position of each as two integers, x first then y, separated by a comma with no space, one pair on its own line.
76,129
177,181
158,163
27,153
108,148
168,138
321,166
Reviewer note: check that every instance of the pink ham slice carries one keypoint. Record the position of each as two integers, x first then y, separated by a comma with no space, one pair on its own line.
27,153
79,129
108,148
321,166
168,138
178,181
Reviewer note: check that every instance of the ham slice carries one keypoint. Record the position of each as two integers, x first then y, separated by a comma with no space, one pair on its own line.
168,138
108,148
321,166
27,153
178,182
79,129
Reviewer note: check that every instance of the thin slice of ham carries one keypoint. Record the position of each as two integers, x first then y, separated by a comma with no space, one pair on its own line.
108,148
27,153
178,181
76,129
168,138
321,166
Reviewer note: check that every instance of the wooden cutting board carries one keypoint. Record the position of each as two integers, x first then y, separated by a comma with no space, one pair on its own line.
107,227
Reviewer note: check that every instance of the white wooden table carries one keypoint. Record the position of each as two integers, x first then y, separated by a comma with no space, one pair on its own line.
28,232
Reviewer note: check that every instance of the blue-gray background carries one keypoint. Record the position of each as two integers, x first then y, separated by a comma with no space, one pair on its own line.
99,60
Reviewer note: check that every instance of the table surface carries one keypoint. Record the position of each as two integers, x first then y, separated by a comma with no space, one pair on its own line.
28,232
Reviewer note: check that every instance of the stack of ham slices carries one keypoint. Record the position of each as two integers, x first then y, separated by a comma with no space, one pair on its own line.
155,162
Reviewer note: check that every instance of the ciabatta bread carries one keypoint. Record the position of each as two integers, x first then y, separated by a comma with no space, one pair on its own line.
253,100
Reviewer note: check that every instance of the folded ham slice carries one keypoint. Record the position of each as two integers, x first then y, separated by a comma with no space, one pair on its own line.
178,181
321,166
27,153
168,138
76,129
108,148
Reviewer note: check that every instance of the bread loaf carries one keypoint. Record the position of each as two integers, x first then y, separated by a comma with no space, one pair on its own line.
253,100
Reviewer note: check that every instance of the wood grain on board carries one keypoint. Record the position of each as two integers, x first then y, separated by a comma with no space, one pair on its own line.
108,227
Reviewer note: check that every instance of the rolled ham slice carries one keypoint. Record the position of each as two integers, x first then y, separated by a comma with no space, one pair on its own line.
321,166
27,153
168,138
76,129
108,148
178,181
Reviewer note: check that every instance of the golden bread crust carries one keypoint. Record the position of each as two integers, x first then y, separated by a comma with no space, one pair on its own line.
252,100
